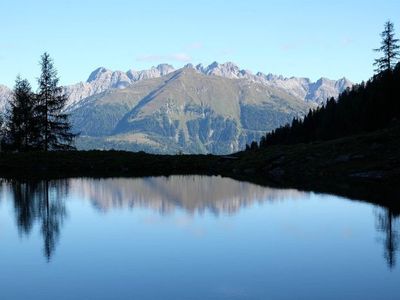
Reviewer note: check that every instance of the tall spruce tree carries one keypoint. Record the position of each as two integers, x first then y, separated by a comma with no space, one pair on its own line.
21,127
55,129
390,49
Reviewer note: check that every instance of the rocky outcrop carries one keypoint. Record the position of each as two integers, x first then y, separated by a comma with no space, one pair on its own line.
103,79
299,87
5,94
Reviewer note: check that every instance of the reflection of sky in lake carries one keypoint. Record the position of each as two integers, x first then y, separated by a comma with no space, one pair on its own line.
193,237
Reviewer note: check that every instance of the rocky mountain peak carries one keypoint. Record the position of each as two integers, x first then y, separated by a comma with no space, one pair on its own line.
213,65
188,66
227,69
343,83
165,69
5,94
323,80
153,72
96,74
200,68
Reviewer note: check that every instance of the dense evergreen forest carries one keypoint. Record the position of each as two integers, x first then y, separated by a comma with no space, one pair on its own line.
363,108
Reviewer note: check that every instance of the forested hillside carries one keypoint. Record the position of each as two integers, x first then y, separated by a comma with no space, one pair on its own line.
363,108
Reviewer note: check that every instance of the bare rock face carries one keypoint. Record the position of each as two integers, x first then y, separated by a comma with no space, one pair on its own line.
103,79
299,87
324,88
154,72
5,94
227,70
296,86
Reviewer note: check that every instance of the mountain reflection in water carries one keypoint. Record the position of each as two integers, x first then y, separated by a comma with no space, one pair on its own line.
191,193
44,202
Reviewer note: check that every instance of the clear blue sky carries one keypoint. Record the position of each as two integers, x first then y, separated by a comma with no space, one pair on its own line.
292,38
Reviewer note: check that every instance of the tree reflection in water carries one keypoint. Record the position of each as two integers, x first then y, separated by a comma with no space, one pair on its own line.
387,222
41,202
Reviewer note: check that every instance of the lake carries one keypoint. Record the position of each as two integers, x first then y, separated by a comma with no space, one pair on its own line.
191,237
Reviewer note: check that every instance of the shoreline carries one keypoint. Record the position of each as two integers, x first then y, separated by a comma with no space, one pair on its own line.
364,167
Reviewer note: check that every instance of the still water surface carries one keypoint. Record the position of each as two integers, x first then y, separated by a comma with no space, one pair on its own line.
191,237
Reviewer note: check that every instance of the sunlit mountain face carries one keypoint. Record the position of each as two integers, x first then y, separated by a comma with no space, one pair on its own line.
217,108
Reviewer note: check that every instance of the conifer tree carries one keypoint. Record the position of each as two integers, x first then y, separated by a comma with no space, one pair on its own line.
390,49
55,129
21,125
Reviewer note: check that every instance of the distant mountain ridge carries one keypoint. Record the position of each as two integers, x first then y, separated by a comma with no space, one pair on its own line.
103,79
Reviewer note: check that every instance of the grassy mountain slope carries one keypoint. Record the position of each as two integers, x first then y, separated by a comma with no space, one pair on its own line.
184,111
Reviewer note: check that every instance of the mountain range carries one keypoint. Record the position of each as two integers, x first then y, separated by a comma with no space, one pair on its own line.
103,79
196,109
